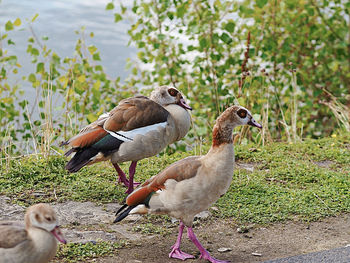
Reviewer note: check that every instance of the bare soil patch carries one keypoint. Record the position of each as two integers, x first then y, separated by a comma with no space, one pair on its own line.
257,244
271,242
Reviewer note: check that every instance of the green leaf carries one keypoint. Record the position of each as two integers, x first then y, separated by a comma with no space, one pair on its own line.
37,123
10,42
96,86
9,26
246,11
226,38
203,43
81,78
35,17
230,27
180,11
310,11
91,117
39,67
261,3
117,17
96,56
17,22
110,6
35,52
32,78
161,36
92,49
23,104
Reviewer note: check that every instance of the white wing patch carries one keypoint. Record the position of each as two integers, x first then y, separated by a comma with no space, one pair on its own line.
104,115
128,136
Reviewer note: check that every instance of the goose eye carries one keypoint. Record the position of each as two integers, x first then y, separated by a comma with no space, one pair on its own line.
173,92
242,113
37,217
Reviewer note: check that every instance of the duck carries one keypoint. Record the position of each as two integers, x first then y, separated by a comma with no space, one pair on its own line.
137,128
191,185
34,243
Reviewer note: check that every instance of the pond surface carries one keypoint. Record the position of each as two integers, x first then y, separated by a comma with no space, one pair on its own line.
58,20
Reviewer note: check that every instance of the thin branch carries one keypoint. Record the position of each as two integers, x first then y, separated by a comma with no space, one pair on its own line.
325,21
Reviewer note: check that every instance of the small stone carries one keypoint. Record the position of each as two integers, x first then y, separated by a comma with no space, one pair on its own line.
224,249
37,194
214,208
203,215
242,230
174,220
256,254
133,217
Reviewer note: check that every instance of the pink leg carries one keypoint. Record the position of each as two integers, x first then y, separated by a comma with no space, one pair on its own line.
176,252
204,253
132,169
122,176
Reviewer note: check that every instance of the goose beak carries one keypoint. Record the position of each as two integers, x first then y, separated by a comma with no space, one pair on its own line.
254,123
183,104
58,235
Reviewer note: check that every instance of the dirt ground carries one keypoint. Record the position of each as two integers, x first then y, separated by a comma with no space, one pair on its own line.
259,244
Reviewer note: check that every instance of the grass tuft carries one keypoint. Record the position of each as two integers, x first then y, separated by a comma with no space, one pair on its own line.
80,252
290,181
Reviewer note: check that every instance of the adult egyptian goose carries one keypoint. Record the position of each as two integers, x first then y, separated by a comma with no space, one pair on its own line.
36,243
191,185
137,128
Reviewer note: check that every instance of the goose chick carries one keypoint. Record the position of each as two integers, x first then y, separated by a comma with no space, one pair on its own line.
137,128
37,242
193,184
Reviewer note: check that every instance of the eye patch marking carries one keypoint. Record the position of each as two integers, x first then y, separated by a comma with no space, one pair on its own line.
242,113
173,92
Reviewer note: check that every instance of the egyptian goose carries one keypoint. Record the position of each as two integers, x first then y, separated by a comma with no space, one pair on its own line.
191,185
36,243
137,128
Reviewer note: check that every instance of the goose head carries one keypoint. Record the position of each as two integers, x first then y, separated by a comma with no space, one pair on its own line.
165,95
244,117
43,216
235,116
232,117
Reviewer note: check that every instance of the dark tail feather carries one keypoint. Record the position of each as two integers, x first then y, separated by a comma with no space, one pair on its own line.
120,209
123,213
69,152
80,159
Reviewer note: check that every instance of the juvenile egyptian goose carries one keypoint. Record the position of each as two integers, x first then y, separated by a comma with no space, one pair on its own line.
137,128
191,185
36,243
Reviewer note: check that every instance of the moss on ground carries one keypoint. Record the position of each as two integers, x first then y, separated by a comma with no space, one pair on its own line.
80,252
306,180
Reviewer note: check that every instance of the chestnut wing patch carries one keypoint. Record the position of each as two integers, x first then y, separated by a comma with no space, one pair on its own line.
179,171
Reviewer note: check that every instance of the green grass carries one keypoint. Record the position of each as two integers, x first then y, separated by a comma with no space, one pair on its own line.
78,252
287,182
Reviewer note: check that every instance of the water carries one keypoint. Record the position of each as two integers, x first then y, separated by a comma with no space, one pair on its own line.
58,20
